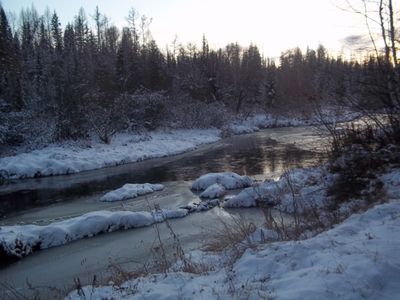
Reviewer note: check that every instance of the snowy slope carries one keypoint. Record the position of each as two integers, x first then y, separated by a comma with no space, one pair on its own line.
356,260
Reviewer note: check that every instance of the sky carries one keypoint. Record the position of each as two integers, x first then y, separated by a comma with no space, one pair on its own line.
273,25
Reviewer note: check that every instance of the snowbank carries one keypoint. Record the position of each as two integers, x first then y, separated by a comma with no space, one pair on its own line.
131,190
124,148
20,241
259,121
355,260
213,191
306,187
228,180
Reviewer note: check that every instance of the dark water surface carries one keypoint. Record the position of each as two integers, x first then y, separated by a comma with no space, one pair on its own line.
251,154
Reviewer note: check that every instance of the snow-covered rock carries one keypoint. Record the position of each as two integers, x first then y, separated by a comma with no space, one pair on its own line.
201,206
228,180
131,190
21,240
267,191
213,191
303,187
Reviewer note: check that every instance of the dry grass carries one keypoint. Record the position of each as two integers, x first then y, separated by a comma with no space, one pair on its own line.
120,275
232,236
308,220
8,291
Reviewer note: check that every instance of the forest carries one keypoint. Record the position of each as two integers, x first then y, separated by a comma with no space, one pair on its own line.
61,83
135,170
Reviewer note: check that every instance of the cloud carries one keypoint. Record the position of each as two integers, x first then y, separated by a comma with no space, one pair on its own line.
360,42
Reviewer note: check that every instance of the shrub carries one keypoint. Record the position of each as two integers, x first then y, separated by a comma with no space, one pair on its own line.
363,153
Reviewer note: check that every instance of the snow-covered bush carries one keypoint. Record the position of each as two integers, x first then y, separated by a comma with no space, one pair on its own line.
147,109
187,113
356,172
10,124
106,117
26,127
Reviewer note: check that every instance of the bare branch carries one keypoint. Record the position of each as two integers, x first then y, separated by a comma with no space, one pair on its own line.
369,31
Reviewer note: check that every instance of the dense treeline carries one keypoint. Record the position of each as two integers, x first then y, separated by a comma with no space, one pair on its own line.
65,83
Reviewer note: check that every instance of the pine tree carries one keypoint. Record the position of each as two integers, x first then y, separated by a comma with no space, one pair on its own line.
10,68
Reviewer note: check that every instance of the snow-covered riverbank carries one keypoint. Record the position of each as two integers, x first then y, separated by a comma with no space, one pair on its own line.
69,158
357,259
124,148
21,240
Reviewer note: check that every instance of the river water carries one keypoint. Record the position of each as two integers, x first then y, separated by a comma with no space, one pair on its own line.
263,154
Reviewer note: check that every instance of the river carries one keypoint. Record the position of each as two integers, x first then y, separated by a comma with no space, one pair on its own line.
263,154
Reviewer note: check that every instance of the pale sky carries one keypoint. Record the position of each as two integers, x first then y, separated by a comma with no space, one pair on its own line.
273,25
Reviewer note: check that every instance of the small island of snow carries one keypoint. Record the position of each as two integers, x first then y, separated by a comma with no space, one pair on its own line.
131,190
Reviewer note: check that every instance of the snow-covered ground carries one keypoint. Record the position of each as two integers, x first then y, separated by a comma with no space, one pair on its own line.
131,190
357,259
124,148
21,240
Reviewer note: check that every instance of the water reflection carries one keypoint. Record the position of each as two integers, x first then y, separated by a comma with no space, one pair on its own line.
252,154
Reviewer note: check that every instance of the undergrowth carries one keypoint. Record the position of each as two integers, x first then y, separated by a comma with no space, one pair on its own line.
357,156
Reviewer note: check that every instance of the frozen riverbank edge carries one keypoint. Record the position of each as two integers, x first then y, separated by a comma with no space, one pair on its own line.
124,148
19,241
70,158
